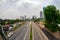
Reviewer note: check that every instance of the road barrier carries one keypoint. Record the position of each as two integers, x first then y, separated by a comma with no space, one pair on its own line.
2,33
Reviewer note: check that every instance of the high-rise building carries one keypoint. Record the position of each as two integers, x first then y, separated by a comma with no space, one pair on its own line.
41,14
21,17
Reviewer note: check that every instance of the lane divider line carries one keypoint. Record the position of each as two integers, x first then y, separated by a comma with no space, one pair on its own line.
26,33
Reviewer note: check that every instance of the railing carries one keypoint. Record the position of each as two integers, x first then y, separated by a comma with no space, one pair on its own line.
2,33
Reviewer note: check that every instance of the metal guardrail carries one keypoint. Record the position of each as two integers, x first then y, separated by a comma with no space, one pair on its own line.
2,32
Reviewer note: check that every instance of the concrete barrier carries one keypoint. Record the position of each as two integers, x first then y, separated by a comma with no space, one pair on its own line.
2,34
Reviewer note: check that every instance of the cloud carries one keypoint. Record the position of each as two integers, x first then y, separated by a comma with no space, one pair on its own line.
56,3
12,9
3,1
27,1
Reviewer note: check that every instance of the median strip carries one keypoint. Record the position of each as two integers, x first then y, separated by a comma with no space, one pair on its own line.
31,32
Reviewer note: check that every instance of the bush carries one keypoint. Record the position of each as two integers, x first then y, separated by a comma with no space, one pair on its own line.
52,27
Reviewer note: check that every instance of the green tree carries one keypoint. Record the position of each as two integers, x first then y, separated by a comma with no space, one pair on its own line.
51,17
58,20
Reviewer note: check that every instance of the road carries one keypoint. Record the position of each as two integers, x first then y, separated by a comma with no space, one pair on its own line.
37,33
22,33
49,35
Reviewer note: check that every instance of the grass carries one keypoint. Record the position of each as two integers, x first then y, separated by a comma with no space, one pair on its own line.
6,33
14,28
31,33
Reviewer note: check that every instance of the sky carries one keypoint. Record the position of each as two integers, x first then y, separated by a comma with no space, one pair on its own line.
13,9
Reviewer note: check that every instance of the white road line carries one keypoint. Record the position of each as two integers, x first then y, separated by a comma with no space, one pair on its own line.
39,31
32,33
14,33
39,34
26,33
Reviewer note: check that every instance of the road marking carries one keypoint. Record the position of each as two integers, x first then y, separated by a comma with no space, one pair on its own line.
26,33
40,32
32,33
16,32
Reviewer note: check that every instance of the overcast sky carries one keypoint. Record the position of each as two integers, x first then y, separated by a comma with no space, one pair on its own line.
12,9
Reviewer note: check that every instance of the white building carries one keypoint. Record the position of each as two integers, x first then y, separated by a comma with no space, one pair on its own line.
21,17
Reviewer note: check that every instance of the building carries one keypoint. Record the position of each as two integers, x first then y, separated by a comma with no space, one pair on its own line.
21,17
41,14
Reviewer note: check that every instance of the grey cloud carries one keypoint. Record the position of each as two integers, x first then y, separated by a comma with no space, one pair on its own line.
26,9
10,10
56,3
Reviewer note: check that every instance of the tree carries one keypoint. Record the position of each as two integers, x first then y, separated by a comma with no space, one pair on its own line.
51,17
58,20
34,17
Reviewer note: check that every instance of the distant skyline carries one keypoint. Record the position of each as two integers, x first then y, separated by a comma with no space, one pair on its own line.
13,9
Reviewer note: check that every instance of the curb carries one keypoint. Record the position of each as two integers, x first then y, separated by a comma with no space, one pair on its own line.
48,31
51,33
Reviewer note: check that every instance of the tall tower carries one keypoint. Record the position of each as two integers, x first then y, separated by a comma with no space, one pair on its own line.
41,14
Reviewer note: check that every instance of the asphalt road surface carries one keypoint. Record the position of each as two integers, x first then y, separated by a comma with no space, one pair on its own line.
49,35
22,33
37,33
